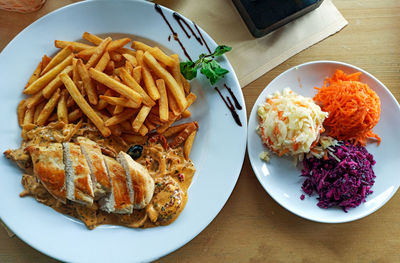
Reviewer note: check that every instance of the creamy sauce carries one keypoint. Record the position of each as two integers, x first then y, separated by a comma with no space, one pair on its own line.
171,172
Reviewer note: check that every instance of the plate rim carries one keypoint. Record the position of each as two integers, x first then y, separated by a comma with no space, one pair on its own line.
243,115
252,161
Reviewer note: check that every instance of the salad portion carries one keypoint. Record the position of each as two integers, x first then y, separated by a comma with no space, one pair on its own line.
328,135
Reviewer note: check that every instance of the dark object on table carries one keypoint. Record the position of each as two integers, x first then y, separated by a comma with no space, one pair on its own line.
264,16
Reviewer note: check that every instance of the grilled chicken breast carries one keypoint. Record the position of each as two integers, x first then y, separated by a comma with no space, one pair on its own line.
48,167
94,158
78,181
140,183
119,200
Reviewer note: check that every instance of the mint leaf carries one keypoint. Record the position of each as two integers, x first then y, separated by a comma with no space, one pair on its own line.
221,50
188,69
209,67
213,71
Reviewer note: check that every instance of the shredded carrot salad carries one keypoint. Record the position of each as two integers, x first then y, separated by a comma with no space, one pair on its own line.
353,107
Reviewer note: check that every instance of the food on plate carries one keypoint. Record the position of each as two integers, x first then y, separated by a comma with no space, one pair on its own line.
353,107
98,137
107,84
290,124
344,178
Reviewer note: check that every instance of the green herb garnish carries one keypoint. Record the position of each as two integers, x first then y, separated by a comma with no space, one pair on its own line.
207,64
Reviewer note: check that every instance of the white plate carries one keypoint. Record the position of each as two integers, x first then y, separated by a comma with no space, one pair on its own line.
218,154
281,179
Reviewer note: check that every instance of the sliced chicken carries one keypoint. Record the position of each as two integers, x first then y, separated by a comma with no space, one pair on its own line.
48,167
78,181
119,200
140,183
94,158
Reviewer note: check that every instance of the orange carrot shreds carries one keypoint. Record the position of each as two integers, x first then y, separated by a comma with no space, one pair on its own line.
353,107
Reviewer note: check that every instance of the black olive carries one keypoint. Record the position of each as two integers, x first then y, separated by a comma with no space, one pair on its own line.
135,151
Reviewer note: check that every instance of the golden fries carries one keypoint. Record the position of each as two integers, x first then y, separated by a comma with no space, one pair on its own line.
115,85
83,105
57,59
172,85
41,82
163,103
123,92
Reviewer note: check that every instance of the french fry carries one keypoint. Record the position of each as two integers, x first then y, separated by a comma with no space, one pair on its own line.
150,125
154,118
126,51
34,100
125,115
45,61
187,147
131,82
62,110
176,70
128,67
74,115
183,135
53,85
191,98
118,43
115,56
48,108
35,75
70,101
134,139
28,117
163,102
170,82
186,114
174,130
110,66
21,112
83,105
75,73
87,83
143,130
148,80
185,83
118,108
92,38
76,46
162,57
140,46
140,117
57,59
115,85
119,101
102,64
42,81
131,59
162,128
100,49
102,103
38,110
173,106
137,74
86,53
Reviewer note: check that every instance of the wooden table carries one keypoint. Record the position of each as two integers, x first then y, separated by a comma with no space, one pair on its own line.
252,227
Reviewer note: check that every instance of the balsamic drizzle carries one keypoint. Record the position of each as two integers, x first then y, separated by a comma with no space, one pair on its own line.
176,38
179,19
237,104
230,107
198,31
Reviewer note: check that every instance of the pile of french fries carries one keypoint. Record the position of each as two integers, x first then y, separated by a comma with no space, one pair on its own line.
122,91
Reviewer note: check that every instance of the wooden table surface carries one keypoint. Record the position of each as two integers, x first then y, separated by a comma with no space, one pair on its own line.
252,227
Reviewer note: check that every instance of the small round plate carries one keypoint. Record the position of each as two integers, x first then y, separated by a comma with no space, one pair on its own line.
281,178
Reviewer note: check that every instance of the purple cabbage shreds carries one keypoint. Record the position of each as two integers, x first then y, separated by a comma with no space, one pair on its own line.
345,183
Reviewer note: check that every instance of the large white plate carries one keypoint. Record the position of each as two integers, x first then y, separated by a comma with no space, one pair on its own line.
218,151
281,179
